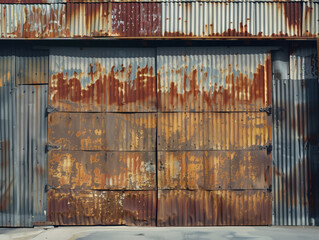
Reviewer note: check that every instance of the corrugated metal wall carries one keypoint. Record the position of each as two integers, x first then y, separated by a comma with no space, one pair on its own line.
158,19
105,133
23,135
295,140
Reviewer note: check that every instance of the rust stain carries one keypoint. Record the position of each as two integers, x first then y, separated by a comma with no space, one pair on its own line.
105,88
292,12
241,91
84,207
219,208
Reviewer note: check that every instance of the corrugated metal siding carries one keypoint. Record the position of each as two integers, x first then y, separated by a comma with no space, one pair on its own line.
32,20
9,213
23,131
79,207
103,131
114,80
295,152
214,170
231,19
207,208
213,79
136,19
310,21
102,170
212,131
88,20
195,19
32,66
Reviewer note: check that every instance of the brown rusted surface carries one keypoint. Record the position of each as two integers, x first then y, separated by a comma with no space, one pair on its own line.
292,12
33,21
206,208
89,207
212,170
6,181
88,20
108,131
136,19
113,90
212,131
198,87
102,170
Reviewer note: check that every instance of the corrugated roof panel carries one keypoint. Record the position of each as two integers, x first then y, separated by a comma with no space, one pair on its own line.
102,170
213,79
89,207
32,20
212,131
103,79
136,19
32,66
207,208
88,19
200,19
103,131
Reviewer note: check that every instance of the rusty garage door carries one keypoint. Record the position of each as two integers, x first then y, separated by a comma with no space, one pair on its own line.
167,136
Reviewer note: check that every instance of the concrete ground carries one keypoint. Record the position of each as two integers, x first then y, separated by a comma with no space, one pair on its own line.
152,233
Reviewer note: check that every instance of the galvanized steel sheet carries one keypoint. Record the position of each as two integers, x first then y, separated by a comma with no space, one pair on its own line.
32,66
295,141
310,21
213,79
101,170
114,80
23,135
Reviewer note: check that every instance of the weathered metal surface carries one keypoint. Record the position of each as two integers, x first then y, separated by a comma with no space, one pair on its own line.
213,79
212,131
100,170
32,66
222,207
310,20
295,140
32,20
80,207
213,170
23,132
114,79
103,131
136,19
88,20
200,19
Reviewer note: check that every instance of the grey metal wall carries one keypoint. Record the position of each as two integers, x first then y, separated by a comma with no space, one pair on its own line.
295,141
23,135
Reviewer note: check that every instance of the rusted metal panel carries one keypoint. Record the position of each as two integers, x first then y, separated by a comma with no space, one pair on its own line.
206,208
32,66
203,19
295,140
99,80
88,20
310,19
213,170
32,20
103,131
213,79
80,207
102,170
213,131
136,19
